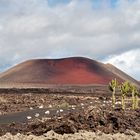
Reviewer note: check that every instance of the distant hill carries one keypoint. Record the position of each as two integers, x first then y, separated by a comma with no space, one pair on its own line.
73,70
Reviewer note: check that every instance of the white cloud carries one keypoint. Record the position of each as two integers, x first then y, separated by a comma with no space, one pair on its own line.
33,29
128,62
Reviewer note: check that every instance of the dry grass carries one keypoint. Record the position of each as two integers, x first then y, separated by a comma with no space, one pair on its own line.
63,105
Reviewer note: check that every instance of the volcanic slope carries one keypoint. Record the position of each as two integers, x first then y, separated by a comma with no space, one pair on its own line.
122,74
73,70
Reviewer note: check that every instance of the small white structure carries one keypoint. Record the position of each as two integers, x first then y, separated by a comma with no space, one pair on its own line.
61,110
37,115
47,112
119,102
41,106
50,106
31,108
29,117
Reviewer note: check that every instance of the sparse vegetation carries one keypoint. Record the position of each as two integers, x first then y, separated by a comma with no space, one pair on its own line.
125,88
136,99
112,87
132,90
63,105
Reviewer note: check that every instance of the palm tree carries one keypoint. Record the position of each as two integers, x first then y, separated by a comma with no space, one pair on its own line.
124,90
132,90
112,88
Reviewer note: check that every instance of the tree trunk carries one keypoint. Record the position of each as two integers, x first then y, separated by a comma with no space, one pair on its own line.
123,105
133,101
113,99
136,102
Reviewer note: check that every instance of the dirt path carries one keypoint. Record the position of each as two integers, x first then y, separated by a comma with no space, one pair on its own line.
25,116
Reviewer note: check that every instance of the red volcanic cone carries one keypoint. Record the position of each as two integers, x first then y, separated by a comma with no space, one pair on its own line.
74,70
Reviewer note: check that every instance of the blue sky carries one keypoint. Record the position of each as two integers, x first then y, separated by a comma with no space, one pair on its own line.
95,3
57,2
105,30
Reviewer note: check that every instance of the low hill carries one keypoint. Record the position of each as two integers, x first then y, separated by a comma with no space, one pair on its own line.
73,70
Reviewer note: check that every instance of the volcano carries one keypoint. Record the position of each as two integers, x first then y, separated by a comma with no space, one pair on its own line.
73,70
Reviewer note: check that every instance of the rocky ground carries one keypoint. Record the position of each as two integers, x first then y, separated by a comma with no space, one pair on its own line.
81,135
62,117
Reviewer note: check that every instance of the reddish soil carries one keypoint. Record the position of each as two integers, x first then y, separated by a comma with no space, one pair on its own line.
75,70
